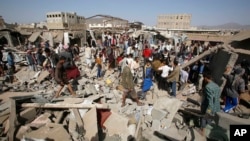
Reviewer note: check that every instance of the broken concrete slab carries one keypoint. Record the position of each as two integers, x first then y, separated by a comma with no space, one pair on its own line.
41,120
158,114
21,131
120,122
42,76
194,135
173,134
169,104
224,120
90,124
49,131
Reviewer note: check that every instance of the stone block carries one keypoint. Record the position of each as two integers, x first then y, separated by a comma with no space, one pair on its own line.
158,114
28,115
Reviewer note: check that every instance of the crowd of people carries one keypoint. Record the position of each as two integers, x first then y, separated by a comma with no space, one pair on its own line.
159,63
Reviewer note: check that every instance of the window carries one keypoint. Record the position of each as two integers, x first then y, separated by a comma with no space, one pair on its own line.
59,15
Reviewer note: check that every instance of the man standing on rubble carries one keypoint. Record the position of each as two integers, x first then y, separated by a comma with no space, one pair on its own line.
211,100
61,77
235,86
128,86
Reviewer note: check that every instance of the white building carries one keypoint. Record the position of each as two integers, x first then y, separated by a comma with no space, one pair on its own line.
65,20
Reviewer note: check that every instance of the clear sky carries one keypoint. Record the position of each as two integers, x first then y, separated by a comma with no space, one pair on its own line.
204,12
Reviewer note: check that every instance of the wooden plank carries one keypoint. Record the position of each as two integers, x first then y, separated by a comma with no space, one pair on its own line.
12,119
63,105
197,58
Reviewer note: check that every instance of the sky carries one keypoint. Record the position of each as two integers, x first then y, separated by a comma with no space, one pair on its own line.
204,12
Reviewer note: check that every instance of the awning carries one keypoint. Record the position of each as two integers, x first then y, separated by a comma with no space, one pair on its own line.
34,36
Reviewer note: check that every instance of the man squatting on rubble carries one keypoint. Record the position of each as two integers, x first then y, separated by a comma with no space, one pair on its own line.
61,78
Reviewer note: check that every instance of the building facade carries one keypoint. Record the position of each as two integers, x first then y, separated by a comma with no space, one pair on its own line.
65,21
174,21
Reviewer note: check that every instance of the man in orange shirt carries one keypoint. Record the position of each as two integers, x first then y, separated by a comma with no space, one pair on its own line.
98,62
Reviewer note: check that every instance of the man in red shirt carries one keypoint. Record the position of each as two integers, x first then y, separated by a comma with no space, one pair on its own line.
147,52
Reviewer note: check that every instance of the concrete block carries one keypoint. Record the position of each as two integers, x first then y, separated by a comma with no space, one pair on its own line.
158,114
116,124
90,124
28,115
224,120
156,125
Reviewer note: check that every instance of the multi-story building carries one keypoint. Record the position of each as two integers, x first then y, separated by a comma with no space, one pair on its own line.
69,23
174,21
65,21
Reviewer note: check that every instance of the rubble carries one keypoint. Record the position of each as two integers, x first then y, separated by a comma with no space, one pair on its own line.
29,111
